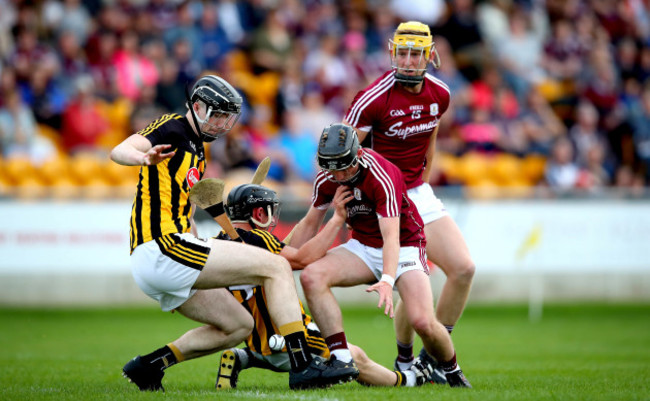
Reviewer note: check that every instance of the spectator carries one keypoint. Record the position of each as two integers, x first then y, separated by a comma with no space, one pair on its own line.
300,146
133,71
83,124
18,131
562,173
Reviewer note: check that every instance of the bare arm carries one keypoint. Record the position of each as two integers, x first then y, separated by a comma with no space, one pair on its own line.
390,227
316,247
136,150
360,134
431,151
307,227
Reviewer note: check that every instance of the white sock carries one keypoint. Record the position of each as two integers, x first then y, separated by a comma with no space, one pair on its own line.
342,354
410,378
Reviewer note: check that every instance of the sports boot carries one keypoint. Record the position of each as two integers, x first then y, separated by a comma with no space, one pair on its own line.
229,368
437,375
146,377
321,373
457,379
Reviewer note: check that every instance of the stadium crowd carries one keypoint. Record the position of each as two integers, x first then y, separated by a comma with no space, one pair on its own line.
548,94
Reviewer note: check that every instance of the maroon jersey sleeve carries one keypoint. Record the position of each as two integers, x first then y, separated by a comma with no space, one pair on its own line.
323,191
386,184
366,107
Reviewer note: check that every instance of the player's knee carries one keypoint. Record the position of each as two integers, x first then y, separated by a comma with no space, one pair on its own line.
424,325
359,356
311,278
277,267
463,272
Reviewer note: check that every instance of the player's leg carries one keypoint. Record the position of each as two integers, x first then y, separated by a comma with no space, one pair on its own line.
404,335
231,263
227,324
446,248
373,374
415,291
339,268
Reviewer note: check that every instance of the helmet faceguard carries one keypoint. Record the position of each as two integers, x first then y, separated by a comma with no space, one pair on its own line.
338,150
412,42
221,104
244,199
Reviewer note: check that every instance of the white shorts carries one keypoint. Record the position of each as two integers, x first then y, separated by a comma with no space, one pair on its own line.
410,258
164,279
429,206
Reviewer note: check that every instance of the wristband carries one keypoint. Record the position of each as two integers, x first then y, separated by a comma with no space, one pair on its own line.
388,279
215,210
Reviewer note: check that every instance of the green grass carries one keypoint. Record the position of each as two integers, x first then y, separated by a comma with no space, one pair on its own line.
577,352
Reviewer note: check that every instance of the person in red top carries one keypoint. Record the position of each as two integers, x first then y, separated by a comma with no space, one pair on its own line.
387,247
399,114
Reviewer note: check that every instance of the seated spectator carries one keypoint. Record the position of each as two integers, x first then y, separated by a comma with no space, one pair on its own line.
19,132
562,173
299,145
83,124
540,124
133,70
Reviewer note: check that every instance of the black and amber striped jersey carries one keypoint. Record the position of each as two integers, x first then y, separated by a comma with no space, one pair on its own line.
161,206
254,300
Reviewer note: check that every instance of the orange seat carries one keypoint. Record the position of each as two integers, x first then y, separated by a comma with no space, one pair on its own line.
18,169
505,169
31,188
54,169
64,189
474,168
84,167
116,174
97,188
532,168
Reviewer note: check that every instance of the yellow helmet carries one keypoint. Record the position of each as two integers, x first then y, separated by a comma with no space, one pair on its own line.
416,37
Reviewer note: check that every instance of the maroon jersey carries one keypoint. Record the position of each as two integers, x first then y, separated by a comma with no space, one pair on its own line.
400,123
379,192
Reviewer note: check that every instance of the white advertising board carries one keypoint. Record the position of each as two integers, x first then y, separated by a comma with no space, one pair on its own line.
540,236
64,237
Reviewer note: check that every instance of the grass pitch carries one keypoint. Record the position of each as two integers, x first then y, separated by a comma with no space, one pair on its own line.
577,352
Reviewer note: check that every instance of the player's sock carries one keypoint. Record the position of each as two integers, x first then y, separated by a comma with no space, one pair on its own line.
406,378
404,355
243,356
296,343
449,328
164,357
338,346
450,366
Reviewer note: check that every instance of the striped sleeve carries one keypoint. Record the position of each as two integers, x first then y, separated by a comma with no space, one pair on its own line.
360,113
387,201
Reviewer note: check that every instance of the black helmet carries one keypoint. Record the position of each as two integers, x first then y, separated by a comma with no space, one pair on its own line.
338,147
244,198
221,100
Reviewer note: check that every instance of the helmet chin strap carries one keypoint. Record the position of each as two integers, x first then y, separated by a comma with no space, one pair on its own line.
197,121
268,222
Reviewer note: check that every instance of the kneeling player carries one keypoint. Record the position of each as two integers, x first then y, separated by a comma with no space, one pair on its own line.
254,209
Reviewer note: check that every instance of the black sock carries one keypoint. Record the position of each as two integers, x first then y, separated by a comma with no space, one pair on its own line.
298,350
161,359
